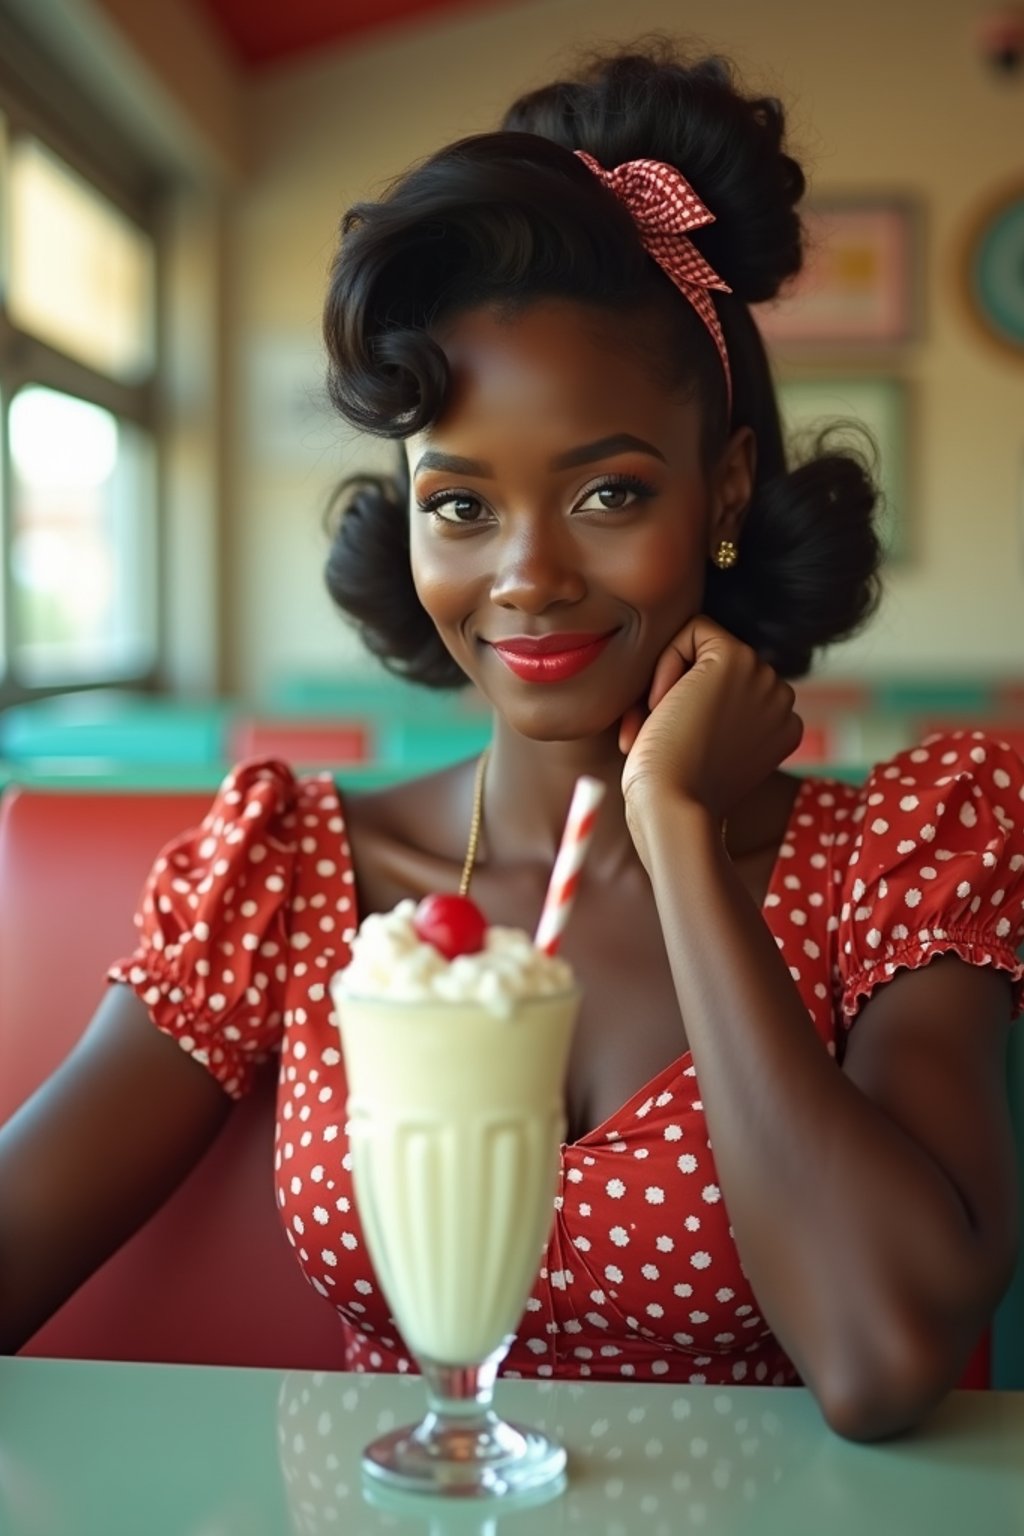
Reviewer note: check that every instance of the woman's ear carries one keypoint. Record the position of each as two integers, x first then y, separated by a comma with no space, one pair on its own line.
732,486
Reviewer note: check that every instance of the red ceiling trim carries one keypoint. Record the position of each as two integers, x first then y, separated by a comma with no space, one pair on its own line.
260,33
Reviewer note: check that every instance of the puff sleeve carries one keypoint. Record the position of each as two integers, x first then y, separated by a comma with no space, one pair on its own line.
937,866
213,928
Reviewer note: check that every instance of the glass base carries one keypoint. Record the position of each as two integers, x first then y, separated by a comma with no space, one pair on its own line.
480,1456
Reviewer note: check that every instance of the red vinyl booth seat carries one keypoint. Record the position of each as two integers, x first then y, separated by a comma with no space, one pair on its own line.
210,1278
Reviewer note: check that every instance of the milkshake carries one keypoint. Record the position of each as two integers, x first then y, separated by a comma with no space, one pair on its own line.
456,1040
456,1117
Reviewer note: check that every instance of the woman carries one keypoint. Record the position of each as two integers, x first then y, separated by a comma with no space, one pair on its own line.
593,521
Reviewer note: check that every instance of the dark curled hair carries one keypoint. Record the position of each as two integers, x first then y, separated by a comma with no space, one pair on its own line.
506,218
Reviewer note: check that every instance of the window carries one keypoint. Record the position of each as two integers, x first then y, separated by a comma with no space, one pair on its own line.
80,273
78,449
80,541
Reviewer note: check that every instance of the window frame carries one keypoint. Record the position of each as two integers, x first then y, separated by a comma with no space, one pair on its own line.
30,90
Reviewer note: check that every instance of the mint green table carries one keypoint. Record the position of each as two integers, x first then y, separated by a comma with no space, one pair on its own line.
92,1449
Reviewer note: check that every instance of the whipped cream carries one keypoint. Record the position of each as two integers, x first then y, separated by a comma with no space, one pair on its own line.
390,960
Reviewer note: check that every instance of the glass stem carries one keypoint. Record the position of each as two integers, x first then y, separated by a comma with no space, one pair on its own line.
460,1393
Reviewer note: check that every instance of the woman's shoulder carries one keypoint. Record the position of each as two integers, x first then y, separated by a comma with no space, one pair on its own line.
944,804
265,823
408,836
950,776
399,838
406,807
222,905
264,803
933,862
943,755
989,768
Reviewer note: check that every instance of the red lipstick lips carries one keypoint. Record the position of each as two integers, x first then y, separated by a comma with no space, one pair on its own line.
550,658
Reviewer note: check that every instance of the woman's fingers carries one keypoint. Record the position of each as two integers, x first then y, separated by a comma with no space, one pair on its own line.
629,728
670,668
794,733
681,654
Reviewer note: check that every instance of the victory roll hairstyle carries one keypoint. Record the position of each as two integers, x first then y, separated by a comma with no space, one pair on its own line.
506,219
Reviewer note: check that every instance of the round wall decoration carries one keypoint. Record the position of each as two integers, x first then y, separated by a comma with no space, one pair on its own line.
994,270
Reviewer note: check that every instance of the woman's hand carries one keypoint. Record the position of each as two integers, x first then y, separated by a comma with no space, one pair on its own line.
720,720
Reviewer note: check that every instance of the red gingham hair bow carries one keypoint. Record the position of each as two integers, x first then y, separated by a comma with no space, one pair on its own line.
664,207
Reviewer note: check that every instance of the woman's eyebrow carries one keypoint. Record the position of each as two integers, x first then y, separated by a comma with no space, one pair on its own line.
587,453
452,464
605,448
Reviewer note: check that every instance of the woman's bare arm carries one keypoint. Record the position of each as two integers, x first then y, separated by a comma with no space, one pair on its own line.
92,1154
873,1208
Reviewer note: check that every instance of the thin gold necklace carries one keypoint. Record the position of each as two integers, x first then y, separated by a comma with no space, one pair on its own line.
474,824
469,863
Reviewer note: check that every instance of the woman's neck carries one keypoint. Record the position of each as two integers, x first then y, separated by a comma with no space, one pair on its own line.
527,789
528,786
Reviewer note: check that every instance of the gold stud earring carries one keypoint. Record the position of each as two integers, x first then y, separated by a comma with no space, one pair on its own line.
726,555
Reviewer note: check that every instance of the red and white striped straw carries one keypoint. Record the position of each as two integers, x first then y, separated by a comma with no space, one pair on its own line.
565,877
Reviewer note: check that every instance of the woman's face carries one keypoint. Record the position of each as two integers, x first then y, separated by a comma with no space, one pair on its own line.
561,519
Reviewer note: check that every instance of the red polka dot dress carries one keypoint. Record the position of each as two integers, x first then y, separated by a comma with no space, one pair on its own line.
244,920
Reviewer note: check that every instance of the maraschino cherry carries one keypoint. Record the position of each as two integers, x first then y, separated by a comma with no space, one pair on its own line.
451,923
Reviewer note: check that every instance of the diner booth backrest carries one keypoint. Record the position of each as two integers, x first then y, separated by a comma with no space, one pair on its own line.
210,1278
313,743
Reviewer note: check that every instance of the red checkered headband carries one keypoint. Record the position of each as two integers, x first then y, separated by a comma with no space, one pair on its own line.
664,207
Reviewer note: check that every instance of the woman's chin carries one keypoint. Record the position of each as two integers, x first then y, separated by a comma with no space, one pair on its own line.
552,720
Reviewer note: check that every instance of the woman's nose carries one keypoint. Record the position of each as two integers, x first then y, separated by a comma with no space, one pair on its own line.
536,570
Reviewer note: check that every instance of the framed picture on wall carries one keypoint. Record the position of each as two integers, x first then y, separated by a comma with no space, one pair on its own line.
859,287
877,403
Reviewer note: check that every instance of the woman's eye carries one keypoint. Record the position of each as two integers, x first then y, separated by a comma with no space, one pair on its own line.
615,496
454,509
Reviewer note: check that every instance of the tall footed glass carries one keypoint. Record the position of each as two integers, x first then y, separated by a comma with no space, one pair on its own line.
456,1118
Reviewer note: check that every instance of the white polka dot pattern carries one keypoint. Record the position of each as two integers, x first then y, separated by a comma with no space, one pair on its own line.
641,1278
936,866
213,926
